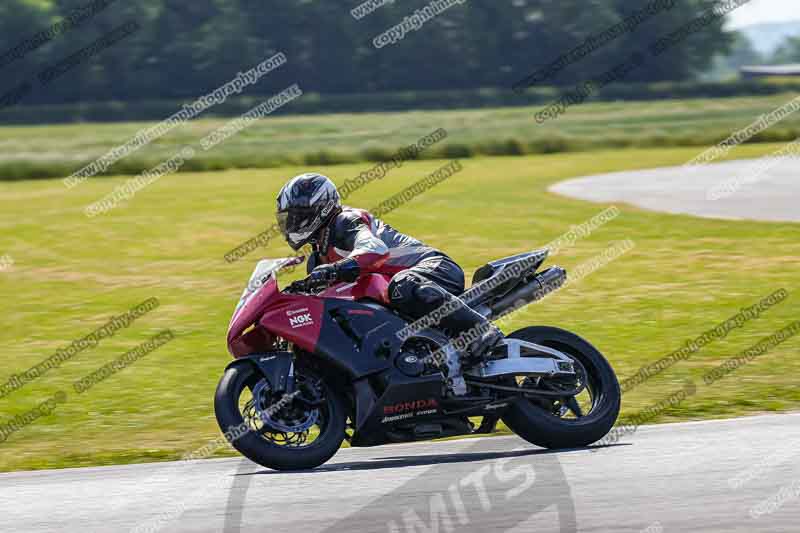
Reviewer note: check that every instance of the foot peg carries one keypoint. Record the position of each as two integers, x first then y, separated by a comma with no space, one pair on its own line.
484,345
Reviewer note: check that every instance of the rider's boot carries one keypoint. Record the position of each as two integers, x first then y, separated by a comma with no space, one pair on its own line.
471,333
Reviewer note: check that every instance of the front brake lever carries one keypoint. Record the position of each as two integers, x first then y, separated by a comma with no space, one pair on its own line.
316,287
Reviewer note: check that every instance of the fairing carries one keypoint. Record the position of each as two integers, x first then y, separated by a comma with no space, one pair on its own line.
338,325
261,290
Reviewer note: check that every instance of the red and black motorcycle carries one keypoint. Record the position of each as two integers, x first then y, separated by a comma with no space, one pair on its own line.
318,364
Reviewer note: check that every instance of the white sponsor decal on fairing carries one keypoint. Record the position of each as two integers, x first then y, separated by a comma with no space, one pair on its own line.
300,321
396,417
345,287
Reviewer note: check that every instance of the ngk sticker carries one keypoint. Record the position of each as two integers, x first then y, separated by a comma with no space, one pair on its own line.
301,320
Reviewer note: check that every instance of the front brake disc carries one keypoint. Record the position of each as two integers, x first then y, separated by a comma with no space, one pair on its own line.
281,418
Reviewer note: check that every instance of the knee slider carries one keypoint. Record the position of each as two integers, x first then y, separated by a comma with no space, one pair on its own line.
430,294
401,291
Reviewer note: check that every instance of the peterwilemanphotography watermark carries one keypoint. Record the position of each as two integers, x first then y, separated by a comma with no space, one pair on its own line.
73,19
122,362
368,7
189,111
127,190
718,332
67,352
21,421
763,123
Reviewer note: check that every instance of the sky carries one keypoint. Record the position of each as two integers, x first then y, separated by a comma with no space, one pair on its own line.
758,11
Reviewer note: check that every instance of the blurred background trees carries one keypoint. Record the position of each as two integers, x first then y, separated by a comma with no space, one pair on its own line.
184,48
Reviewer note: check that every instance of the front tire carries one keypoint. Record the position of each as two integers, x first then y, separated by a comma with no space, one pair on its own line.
259,449
539,425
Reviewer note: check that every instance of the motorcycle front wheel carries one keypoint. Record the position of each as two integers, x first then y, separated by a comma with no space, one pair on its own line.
296,431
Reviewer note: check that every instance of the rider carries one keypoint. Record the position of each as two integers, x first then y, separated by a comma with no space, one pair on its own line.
347,242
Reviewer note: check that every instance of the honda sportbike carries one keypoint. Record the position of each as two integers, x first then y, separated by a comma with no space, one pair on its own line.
316,364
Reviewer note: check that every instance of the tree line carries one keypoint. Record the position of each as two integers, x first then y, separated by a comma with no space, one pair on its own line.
182,49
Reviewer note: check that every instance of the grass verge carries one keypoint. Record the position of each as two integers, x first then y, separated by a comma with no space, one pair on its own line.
33,152
71,274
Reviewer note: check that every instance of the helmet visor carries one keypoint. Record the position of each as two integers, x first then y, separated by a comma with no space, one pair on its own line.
298,225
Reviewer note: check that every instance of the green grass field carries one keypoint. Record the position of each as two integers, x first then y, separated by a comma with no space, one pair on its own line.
72,273
59,150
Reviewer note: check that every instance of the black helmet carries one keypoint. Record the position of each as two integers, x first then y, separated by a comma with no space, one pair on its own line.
306,204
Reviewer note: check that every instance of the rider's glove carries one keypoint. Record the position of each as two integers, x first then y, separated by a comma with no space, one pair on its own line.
347,269
344,270
323,273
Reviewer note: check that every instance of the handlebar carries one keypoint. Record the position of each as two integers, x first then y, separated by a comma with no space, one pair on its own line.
324,276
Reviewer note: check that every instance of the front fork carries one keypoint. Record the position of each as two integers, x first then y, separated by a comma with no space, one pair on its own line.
276,367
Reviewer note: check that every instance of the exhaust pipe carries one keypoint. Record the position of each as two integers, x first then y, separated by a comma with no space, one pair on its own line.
542,284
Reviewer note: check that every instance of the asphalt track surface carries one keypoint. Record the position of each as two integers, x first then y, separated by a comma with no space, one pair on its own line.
731,475
772,194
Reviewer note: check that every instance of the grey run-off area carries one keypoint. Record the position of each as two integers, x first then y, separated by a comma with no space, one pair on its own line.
774,196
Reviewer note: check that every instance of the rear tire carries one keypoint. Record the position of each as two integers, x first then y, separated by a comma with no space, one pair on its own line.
260,450
538,426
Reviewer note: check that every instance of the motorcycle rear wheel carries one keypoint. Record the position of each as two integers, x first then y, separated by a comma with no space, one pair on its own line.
258,444
536,421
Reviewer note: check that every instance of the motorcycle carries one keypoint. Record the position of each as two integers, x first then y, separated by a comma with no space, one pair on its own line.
317,363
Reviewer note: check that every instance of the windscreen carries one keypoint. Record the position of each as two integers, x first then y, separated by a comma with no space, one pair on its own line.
265,269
